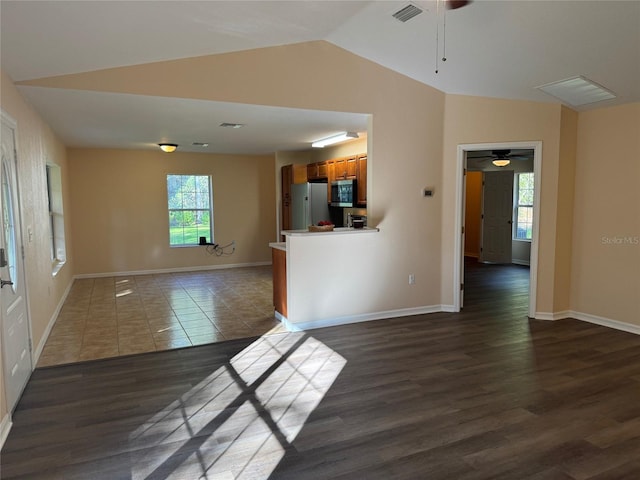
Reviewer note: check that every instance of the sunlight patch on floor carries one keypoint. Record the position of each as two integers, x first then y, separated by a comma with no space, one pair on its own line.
240,420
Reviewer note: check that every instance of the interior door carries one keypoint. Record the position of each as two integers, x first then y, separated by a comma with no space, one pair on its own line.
14,317
497,211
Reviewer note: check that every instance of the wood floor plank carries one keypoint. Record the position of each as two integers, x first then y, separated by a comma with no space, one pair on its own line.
482,394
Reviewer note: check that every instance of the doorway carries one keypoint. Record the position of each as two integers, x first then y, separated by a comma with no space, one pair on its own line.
16,338
480,157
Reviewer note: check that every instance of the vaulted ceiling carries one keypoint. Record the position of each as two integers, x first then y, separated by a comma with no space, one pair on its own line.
501,49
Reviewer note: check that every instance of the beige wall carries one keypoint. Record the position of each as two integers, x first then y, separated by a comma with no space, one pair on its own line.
606,223
345,149
119,201
486,120
565,208
36,145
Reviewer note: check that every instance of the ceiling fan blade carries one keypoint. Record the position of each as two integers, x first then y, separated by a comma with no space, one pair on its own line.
518,157
453,4
481,159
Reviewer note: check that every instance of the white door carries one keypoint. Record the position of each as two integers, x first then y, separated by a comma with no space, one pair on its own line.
497,211
14,317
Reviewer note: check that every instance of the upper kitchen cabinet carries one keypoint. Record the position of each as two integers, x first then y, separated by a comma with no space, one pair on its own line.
346,168
317,171
362,179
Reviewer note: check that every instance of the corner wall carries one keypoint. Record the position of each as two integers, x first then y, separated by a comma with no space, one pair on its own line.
605,279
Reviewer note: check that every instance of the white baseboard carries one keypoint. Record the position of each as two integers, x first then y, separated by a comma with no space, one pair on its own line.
606,322
552,315
5,428
35,355
526,263
586,317
367,317
170,270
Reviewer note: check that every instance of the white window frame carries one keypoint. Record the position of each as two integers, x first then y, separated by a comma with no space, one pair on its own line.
209,232
517,205
57,239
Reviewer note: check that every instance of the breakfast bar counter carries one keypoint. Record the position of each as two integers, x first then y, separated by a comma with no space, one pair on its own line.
317,275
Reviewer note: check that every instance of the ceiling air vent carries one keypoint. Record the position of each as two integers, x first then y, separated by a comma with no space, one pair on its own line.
407,13
232,125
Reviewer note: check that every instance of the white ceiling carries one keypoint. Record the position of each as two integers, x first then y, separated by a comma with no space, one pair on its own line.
498,49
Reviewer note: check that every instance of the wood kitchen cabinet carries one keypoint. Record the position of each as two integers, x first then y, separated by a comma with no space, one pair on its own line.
362,179
312,171
286,174
352,167
279,272
290,174
322,170
345,168
317,171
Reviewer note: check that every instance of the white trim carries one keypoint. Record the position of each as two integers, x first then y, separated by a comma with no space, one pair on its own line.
458,253
35,355
5,428
170,270
552,316
366,317
587,317
606,322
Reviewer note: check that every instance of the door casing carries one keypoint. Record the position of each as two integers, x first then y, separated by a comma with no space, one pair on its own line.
458,244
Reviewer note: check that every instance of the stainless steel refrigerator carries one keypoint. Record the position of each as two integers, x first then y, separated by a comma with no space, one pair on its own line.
308,204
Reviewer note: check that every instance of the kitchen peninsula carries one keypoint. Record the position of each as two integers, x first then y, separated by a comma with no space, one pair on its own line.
318,276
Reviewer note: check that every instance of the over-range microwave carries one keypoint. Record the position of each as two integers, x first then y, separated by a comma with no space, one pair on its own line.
343,193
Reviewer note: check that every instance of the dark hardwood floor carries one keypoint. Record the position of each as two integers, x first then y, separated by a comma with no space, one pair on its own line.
483,394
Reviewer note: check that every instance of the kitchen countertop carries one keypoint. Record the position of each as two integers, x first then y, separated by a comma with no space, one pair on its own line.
279,245
335,231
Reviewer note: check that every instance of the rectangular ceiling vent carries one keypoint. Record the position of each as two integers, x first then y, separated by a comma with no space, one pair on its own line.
577,91
232,125
407,13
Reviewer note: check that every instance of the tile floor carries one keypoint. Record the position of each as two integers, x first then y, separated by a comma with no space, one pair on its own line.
113,316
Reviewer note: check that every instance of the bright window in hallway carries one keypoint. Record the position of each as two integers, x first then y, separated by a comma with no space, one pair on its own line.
190,204
56,217
523,211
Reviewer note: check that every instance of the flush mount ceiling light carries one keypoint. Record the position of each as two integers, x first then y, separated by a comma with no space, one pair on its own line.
577,91
168,147
340,137
499,162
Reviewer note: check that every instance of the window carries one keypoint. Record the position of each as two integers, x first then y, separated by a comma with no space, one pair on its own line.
190,209
523,214
56,217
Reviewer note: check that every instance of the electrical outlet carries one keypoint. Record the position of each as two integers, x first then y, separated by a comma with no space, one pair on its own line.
412,279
